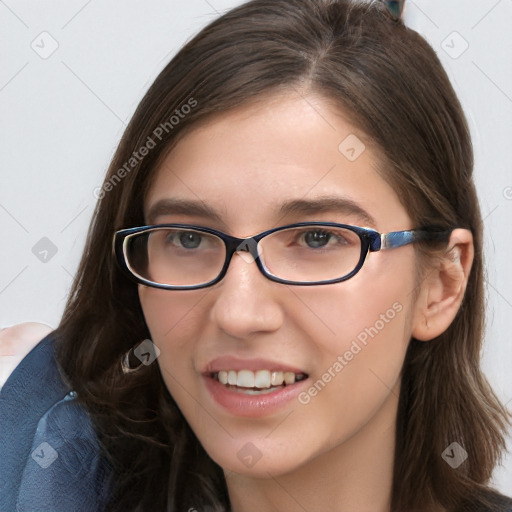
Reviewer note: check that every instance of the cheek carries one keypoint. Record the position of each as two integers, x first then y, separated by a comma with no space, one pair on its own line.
357,312
363,353
366,331
171,316
174,324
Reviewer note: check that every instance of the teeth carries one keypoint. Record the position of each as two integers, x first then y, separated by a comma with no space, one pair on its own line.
245,379
289,377
262,379
277,378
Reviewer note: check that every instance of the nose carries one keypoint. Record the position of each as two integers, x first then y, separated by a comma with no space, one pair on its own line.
246,302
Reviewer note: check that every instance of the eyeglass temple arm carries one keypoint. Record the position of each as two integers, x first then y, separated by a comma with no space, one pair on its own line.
401,238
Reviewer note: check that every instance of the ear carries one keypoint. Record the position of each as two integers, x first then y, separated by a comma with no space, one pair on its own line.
442,289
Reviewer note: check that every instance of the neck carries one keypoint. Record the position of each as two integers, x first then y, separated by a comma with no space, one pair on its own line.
355,475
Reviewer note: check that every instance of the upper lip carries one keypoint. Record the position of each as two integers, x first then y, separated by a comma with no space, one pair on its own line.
235,363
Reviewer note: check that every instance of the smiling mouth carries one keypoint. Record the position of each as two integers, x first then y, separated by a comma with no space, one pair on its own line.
256,383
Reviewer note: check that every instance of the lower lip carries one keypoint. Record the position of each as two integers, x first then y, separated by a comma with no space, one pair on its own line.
252,406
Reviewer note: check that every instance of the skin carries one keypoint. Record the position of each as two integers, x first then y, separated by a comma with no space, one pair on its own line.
339,447
16,342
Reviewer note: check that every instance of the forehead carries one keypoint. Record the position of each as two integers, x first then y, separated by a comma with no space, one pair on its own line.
252,165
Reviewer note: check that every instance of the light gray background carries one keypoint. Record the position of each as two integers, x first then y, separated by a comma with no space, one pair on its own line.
62,115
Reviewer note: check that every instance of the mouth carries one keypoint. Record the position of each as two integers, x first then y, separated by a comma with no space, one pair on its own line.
255,387
256,382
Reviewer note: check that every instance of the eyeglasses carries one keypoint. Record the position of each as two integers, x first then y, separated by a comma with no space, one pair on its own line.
188,257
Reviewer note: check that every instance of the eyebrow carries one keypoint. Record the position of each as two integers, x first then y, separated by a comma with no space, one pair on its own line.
329,204
182,206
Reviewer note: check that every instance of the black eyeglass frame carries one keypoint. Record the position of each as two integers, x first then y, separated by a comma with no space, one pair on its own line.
371,241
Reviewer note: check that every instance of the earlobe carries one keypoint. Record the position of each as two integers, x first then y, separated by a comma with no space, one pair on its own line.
442,288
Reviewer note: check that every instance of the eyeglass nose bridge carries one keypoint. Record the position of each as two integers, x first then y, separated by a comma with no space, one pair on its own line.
247,247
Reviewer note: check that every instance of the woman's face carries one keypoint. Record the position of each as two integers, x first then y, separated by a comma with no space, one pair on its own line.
348,339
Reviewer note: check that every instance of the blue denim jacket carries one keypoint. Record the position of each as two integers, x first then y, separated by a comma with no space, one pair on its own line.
49,454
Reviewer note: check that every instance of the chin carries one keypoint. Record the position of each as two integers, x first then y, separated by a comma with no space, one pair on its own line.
245,458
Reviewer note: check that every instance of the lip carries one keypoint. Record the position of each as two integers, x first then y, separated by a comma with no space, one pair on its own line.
235,363
252,406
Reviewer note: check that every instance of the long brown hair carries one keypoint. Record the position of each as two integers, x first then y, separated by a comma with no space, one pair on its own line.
390,82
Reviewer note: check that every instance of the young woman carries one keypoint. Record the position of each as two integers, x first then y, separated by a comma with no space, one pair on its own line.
280,304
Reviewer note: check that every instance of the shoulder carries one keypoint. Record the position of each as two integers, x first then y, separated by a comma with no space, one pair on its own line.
16,342
16,337
51,460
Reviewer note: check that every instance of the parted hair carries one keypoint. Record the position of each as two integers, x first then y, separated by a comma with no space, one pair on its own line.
387,79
